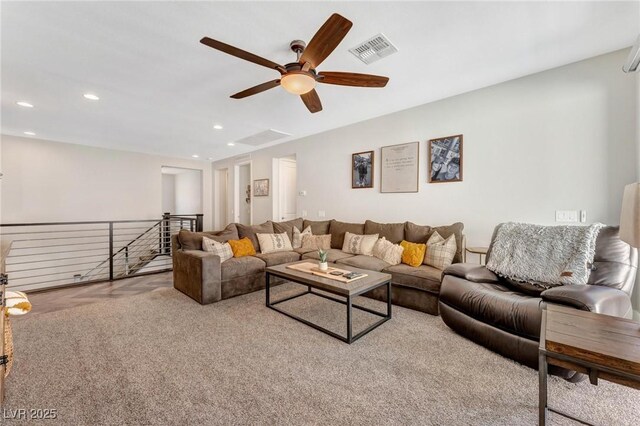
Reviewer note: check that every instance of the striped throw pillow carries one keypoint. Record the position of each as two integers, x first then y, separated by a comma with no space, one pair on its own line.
222,250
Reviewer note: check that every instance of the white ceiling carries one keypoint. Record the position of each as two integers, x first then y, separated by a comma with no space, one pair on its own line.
161,90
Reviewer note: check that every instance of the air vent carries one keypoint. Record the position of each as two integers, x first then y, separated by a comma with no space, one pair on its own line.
263,137
374,49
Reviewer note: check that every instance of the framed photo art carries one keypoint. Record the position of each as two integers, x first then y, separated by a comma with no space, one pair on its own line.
261,188
445,159
399,167
362,170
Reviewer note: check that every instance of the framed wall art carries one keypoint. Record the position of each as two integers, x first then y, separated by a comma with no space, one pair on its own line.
445,159
399,167
362,170
261,188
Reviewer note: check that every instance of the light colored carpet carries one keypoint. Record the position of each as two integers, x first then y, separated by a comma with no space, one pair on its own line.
161,358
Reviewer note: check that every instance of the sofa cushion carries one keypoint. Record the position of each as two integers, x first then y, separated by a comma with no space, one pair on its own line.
448,230
416,233
332,255
242,247
494,304
316,242
387,251
413,253
270,243
338,229
422,277
393,232
241,266
364,262
302,250
280,227
222,250
440,252
359,244
278,258
193,240
250,231
318,227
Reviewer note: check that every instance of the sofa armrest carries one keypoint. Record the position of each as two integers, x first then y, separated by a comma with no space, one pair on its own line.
594,298
471,272
197,274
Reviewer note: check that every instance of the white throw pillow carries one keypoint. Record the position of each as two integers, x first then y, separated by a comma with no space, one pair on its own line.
298,236
440,252
271,243
359,244
387,251
223,250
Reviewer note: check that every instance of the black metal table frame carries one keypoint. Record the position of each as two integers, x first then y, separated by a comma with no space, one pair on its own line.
350,338
593,369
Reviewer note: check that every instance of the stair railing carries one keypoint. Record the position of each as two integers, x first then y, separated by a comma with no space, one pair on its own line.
55,254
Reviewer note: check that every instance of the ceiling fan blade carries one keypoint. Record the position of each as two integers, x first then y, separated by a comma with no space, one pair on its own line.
257,89
352,79
326,40
312,101
239,53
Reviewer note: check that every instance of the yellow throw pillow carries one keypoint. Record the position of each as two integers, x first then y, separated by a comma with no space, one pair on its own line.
413,253
242,247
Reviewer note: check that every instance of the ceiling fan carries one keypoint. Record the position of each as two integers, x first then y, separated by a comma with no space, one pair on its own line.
300,77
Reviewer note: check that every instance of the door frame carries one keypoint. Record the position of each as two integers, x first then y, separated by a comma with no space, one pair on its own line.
217,200
236,190
275,176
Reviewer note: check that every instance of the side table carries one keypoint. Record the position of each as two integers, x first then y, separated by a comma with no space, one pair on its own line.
480,251
600,346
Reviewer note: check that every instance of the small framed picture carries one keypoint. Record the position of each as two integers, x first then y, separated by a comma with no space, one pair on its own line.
445,159
261,188
362,170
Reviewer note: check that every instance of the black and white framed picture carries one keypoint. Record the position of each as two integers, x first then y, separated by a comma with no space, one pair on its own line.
445,159
362,170
261,188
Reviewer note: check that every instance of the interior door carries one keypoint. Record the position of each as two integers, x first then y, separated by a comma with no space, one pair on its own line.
288,189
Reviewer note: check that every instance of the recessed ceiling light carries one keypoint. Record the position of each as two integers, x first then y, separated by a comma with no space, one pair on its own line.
29,133
195,156
91,97
25,104
231,144
218,126
210,158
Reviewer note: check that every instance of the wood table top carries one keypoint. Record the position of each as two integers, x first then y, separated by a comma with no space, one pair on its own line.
372,280
600,339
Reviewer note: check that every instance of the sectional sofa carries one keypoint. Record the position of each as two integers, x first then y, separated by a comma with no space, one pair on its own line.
202,276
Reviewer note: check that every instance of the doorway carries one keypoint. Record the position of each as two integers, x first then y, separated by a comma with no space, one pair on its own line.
221,207
243,213
285,200
181,190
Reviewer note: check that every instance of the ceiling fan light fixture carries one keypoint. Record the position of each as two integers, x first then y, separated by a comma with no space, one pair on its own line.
298,83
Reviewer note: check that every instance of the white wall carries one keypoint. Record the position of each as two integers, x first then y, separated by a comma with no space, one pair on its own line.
52,181
188,192
244,211
168,193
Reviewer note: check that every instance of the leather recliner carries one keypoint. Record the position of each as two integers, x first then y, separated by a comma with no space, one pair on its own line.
506,318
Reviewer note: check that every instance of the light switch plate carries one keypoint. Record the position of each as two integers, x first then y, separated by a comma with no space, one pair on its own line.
566,215
321,213
583,216
304,213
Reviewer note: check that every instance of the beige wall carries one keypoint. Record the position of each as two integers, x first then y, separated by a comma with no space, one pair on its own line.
52,181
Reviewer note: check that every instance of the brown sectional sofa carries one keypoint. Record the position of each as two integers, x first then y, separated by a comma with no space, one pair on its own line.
201,276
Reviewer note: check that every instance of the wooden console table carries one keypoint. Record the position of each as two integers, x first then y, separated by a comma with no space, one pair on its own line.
600,346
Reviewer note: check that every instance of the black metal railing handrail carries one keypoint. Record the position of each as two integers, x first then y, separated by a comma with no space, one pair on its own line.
45,252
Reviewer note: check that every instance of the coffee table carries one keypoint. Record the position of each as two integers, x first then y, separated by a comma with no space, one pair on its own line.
346,292
601,346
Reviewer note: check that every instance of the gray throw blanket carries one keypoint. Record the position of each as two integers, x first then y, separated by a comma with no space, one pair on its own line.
543,255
